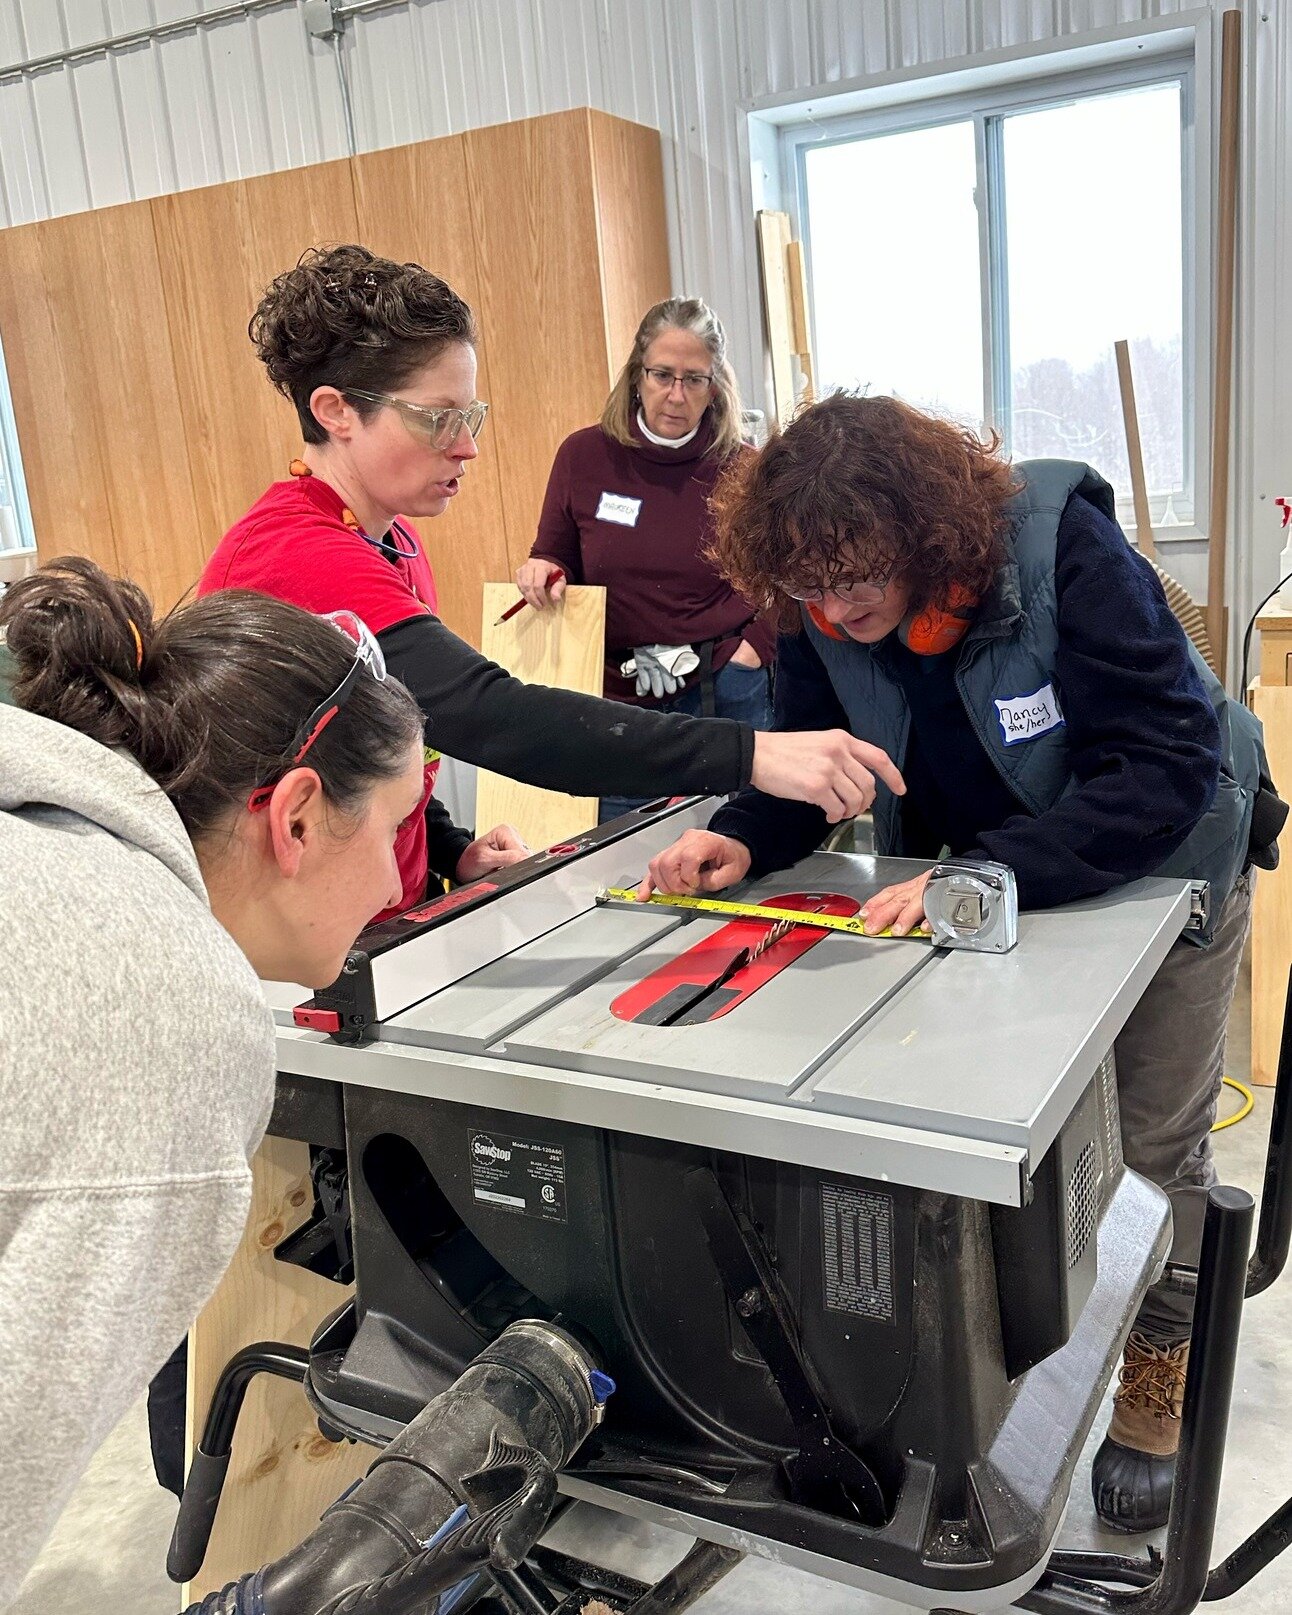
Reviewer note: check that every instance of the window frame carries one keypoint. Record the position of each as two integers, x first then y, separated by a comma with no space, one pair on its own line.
1051,86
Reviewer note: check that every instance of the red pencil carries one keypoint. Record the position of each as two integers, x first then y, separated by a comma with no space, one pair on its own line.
522,602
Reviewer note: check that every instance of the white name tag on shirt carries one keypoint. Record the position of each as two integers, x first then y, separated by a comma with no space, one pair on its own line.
1027,716
618,507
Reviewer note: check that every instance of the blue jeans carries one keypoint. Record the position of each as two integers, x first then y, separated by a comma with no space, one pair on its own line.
744,693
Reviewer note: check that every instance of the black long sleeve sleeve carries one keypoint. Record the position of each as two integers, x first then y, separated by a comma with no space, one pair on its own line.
779,833
445,841
478,712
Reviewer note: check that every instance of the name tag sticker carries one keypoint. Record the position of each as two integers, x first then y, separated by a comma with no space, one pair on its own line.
618,507
1027,716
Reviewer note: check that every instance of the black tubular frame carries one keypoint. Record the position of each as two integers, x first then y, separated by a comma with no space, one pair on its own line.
201,1499
1274,1230
1273,1238
1182,1574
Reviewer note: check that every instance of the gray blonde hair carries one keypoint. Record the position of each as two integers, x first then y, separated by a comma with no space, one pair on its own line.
678,314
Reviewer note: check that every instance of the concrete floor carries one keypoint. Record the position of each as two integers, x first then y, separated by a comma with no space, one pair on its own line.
109,1549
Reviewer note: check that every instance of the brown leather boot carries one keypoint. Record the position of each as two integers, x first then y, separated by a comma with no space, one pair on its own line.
1134,1468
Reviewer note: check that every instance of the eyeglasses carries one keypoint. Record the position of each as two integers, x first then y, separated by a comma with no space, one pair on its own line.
856,591
693,381
440,428
367,653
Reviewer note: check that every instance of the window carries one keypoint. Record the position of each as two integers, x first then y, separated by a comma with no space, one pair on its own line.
15,514
980,256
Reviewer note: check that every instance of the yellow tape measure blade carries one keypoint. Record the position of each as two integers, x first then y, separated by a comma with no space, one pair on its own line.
849,924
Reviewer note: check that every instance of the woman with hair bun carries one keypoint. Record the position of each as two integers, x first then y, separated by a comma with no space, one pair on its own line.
379,360
627,507
185,806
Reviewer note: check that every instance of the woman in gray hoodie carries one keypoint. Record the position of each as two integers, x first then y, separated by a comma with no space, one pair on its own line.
184,806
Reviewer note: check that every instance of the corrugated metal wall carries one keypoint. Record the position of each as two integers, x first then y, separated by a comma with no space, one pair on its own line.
248,95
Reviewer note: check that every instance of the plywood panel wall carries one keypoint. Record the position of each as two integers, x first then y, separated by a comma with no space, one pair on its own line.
147,424
530,192
95,396
219,248
57,432
632,231
409,205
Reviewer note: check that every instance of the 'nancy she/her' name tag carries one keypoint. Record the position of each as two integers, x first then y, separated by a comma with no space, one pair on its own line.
1027,716
618,507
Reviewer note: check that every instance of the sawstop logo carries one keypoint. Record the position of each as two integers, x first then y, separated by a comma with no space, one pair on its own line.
484,1149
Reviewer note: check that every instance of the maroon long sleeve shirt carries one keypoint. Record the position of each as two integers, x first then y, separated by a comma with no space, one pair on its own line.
636,520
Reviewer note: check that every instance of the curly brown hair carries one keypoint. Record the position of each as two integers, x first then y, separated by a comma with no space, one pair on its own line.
863,487
343,317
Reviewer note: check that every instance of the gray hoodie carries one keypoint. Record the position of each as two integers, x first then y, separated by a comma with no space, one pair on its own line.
136,1079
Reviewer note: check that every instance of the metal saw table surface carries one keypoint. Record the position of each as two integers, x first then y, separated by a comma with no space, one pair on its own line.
881,1058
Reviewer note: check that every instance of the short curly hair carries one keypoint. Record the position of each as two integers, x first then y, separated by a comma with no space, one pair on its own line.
863,487
343,317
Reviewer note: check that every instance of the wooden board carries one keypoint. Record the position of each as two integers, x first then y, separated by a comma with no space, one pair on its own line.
796,276
219,248
530,193
1134,451
773,244
1272,906
400,197
566,647
283,1473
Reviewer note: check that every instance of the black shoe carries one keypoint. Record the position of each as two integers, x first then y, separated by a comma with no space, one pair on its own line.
1132,1490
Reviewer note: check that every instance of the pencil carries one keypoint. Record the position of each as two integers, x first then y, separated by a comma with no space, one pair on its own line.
511,611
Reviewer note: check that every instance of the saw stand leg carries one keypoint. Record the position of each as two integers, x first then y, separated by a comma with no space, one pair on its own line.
526,1589
1179,1581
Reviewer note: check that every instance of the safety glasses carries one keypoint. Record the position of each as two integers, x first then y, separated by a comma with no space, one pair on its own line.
367,653
439,428
856,591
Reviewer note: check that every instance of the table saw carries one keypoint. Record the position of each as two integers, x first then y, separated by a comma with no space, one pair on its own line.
856,1244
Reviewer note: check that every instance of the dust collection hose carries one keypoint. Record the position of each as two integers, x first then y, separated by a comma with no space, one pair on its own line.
494,1441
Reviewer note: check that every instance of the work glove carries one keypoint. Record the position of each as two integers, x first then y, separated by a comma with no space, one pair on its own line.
660,669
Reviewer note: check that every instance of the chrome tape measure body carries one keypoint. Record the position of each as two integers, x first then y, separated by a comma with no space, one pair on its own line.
972,906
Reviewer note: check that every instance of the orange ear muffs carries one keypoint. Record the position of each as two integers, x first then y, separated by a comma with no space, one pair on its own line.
822,622
938,628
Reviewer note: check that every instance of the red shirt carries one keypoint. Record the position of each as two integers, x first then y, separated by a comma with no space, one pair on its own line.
295,544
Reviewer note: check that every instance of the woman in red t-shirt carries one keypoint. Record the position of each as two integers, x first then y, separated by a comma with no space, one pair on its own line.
379,360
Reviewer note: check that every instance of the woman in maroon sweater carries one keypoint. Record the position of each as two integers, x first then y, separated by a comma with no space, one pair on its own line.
627,508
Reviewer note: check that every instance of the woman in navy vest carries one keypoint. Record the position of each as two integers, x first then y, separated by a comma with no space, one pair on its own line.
989,626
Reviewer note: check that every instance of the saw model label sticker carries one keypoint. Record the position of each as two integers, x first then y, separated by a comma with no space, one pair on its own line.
519,1175
857,1251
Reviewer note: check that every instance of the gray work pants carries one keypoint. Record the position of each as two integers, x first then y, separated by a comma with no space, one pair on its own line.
1170,1063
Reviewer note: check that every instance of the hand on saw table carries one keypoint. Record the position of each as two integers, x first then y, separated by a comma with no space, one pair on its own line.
502,846
828,767
901,906
698,861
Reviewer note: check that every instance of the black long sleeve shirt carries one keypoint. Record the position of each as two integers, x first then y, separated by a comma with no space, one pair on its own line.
556,739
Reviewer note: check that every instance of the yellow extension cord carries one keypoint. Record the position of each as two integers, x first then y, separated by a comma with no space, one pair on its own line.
1249,1099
